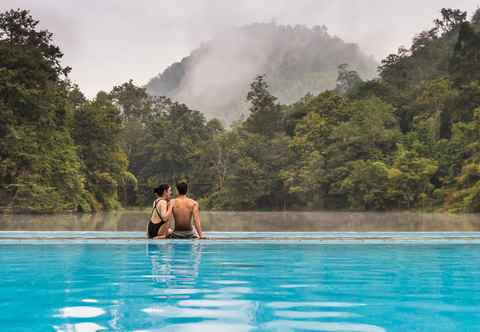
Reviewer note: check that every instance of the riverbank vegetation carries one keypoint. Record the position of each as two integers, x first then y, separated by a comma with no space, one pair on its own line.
408,139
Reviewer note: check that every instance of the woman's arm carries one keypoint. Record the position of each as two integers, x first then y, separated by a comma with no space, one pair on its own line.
166,210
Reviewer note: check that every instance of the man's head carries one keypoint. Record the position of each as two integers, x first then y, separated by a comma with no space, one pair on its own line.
182,188
163,190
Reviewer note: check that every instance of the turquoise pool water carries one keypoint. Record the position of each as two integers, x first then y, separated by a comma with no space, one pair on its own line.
238,286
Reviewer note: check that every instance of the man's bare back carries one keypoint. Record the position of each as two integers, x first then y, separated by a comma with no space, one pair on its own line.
183,208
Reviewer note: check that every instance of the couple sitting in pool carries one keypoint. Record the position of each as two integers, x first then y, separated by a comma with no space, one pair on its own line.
181,208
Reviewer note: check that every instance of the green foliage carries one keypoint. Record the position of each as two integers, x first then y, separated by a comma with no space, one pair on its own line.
410,179
406,140
265,114
39,165
367,185
465,61
327,146
97,130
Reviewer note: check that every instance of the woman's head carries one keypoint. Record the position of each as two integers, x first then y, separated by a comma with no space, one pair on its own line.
163,190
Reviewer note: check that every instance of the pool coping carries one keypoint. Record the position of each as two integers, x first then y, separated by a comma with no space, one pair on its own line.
108,237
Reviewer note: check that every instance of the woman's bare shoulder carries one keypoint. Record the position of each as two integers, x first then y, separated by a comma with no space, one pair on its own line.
159,202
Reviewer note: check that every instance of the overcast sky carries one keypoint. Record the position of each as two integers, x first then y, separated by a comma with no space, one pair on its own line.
107,42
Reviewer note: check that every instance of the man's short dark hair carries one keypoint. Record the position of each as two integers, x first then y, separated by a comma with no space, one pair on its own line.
182,188
161,189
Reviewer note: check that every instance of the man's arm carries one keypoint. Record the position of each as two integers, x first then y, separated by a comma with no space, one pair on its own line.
196,219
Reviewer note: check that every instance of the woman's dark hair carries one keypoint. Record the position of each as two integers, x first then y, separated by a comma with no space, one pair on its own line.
161,189
182,188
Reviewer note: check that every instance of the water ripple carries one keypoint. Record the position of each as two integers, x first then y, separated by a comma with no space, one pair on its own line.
290,325
212,303
287,305
81,312
314,314
79,327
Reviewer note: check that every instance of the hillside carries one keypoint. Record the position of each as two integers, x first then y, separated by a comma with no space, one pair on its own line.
215,77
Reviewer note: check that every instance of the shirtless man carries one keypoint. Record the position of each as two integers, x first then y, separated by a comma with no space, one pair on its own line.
184,209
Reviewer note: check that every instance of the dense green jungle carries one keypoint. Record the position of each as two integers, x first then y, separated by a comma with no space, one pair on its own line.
407,139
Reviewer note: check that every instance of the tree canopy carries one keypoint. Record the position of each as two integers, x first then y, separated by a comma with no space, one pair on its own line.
408,139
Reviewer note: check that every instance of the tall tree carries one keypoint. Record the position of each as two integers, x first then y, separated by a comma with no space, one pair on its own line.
97,131
265,113
450,20
465,61
39,166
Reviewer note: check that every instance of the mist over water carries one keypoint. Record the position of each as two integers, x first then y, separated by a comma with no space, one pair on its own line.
217,221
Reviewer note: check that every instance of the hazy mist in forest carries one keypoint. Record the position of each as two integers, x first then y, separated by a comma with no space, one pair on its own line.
296,60
108,42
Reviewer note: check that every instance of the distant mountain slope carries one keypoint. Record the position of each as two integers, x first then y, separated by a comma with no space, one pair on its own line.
216,77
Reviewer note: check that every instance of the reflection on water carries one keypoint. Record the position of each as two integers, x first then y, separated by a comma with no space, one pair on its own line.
253,222
177,266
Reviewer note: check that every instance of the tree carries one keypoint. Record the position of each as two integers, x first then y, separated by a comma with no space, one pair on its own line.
134,106
132,101
450,20
39,165
410,179
367,185
265,113
28,54
252,172
328,104
97,129
394,69
464,194
436,98
347,80
174,137
476,17
307,174
328,139
465,61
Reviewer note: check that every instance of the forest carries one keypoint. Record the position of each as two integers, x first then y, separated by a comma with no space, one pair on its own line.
408,139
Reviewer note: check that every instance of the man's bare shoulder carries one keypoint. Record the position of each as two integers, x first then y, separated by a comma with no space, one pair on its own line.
193,202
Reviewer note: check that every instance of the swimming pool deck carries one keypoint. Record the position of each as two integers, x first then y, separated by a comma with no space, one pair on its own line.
252,237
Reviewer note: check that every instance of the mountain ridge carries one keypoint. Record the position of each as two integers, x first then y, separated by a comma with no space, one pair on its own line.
296,60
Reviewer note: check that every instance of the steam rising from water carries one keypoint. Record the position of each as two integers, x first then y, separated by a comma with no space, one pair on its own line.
254,222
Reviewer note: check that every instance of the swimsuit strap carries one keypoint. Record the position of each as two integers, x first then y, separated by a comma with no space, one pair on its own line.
155,208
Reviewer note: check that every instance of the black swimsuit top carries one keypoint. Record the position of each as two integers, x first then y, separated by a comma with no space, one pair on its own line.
158,213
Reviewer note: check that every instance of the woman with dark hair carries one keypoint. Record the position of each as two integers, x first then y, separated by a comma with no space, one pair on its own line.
159,223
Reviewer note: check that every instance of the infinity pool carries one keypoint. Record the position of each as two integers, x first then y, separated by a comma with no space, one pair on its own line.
235,286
